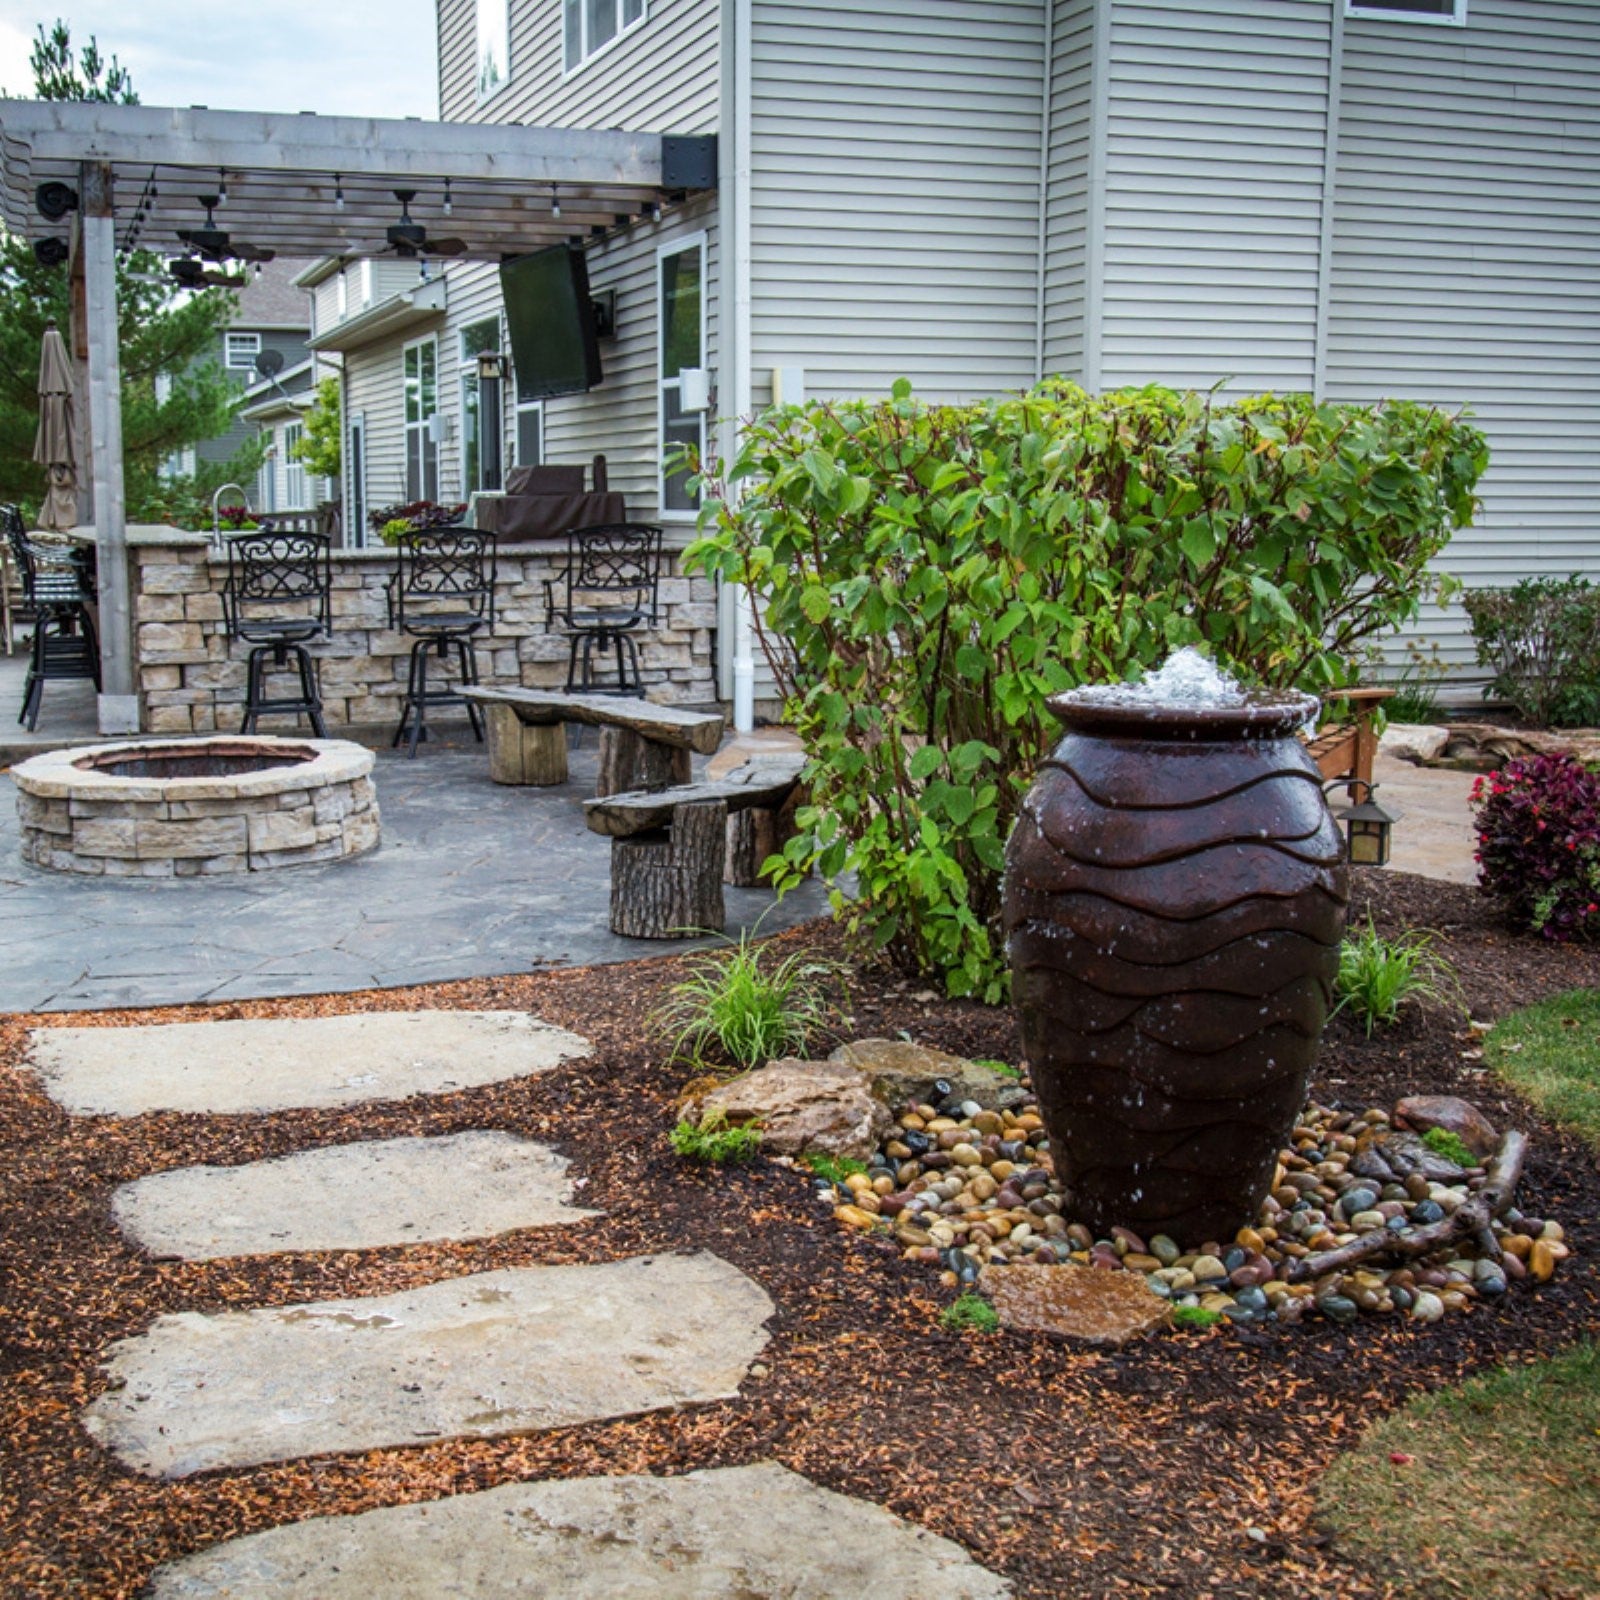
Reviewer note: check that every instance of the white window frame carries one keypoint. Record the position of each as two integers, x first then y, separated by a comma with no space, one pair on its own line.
268,482
341,295
296,481
247,345
355,481
502,11
525,408
587,52
1372,11
680,246
424,424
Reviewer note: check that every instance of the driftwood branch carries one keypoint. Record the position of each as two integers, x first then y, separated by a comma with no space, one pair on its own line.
1473,1218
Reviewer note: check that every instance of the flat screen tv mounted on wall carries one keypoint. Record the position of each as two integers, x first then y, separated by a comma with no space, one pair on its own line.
554,344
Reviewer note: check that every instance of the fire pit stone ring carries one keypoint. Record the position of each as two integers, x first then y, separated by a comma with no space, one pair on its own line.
165,808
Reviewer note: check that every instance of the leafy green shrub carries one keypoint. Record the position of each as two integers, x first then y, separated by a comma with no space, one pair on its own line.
749,1006
932,572
969,1311
714,1140
1538,822
1542,639
1449,1145
1377,976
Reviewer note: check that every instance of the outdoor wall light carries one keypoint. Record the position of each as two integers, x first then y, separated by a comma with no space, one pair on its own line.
491,365
55,200
1368,828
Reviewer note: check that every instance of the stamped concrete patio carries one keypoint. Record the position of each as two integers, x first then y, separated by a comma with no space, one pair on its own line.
471,880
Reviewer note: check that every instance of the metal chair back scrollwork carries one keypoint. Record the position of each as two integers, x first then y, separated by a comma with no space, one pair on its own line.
442,595
278,598
58,590
608,591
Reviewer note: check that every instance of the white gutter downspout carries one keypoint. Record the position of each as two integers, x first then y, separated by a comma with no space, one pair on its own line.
734,179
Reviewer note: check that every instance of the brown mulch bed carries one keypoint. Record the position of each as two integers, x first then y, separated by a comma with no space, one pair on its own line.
1182,1466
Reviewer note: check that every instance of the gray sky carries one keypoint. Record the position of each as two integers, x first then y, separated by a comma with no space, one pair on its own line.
360,57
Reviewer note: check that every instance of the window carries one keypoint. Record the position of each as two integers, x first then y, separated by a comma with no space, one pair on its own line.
242,349
421,365
1448,11
480,410
294,470
268,495
681,270
355,482
530,433
494,46
341,293
590,25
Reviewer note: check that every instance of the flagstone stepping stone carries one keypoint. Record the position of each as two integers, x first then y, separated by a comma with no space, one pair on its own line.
477,1356
279,1063
728,1533
351,1197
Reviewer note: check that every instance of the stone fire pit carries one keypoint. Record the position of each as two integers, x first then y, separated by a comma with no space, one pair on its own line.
164,808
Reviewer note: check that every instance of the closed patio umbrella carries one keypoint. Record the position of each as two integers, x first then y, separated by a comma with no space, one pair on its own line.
52,446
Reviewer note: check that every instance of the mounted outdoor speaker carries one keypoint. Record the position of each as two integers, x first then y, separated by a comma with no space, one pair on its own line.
50,252
55,200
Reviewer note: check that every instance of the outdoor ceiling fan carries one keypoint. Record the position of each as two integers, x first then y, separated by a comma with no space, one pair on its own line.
215,244
189,273
409,239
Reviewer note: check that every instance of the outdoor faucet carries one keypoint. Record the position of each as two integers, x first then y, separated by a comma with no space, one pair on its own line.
216,517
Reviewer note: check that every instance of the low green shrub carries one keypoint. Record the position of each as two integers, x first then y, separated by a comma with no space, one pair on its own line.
1377,976
969,1311
1416,690
713,1139
750,1005
1542,641
930,573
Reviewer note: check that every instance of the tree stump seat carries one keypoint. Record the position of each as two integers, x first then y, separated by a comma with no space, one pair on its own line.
642,745
672,849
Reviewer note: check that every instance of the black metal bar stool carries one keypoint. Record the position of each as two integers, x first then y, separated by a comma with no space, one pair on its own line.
278,598
57,591
441,594
606,592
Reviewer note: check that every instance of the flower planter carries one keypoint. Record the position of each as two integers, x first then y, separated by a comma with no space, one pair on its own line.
1174,901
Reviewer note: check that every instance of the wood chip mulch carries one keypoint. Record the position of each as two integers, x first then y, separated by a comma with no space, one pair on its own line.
1183,1466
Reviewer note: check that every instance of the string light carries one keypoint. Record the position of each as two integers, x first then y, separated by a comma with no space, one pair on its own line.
449,209
222,187
555,203
338,192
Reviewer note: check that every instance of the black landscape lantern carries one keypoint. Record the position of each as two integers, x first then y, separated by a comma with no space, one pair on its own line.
1367,829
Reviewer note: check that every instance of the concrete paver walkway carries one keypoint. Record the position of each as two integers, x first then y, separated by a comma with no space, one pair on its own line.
739,1533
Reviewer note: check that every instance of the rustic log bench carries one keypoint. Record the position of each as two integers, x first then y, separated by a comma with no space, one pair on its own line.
671,849
642,746
1344,750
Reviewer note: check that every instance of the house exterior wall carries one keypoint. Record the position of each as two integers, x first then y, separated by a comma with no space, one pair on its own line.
895,194
1070,176
374,389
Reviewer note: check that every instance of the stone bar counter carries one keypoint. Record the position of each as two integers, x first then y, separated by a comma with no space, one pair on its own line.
190,675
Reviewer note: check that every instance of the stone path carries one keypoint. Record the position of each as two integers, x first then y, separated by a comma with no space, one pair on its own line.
351,1197
281,1063
473,1356
738,1533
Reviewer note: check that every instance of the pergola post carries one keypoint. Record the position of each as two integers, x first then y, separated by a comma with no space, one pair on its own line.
119,703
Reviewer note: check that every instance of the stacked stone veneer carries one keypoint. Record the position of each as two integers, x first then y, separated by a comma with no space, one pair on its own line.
76,819
191,676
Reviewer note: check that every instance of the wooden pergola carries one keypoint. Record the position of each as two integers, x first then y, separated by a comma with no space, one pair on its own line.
301,185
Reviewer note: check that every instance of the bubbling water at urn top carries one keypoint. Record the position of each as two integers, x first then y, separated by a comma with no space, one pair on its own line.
1187,680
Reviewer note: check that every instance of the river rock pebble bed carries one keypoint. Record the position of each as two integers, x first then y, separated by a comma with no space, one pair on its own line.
959,1187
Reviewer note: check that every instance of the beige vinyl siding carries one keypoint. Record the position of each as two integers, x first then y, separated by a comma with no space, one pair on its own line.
1217,118
1068,186
662,76
375,389
895,193
1466,264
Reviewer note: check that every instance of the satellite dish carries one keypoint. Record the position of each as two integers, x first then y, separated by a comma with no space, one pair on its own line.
269,363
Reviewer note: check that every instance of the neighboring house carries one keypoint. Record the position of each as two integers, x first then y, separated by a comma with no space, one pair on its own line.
1351,197
274,410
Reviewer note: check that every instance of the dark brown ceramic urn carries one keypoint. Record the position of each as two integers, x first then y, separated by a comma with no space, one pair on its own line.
1174,901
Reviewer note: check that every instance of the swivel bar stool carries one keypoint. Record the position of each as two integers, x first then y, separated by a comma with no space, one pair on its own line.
278,599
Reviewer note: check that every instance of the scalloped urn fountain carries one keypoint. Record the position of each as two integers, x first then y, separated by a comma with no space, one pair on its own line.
1174,900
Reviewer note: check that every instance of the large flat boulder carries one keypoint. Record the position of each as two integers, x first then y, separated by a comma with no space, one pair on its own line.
351,1197
277,1063
473,1357
1092,1304
730,1533
900,1071
820,1107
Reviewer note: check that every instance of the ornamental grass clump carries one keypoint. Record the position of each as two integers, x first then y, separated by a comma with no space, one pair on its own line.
1538,822
930,573
1378,976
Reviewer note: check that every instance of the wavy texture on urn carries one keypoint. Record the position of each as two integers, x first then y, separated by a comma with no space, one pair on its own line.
1174,900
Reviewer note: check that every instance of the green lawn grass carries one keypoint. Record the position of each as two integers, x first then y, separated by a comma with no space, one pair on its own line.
1551,1054
1496,1492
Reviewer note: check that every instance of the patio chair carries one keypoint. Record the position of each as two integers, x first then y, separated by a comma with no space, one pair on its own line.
57,590
605,594
442,595
278,598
